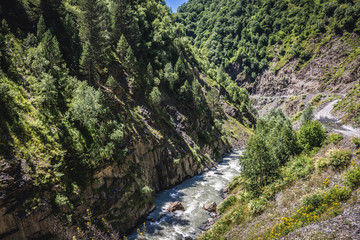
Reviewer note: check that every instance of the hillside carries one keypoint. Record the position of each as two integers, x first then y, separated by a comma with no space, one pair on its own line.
297,56
103,103
278,38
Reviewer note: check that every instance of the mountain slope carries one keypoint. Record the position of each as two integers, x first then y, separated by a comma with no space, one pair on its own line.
268,46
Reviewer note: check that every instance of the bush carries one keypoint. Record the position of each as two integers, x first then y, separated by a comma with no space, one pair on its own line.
333,138
311,135
335,158
257,206
315,200
356,141
337,194
226,204
339,158
299,167
352,177
322,163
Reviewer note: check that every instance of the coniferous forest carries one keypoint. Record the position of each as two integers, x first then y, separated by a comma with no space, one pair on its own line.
106,103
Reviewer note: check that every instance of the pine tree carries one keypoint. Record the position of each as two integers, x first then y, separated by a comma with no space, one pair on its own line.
130,60
120,18
122,47
94,26
51,49
74,47
87,63
41,28
170,75
155,97
181,69
149,75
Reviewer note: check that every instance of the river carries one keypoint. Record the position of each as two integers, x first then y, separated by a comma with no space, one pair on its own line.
193,193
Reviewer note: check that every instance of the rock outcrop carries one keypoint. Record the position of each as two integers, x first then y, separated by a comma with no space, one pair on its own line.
176,206
210,207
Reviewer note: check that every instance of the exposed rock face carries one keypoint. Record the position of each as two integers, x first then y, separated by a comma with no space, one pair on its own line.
207,225
330,70
210,207
122,189
175,206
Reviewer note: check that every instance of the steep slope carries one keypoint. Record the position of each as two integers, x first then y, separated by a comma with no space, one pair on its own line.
288,54
103,103
277,47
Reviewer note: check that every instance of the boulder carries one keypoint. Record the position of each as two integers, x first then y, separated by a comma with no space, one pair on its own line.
210,207
176,206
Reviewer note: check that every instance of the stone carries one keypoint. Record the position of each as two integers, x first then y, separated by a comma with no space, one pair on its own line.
210,207
176,206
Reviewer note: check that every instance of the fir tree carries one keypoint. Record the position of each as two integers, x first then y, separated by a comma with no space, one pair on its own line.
94,26
130,60
122,47
41,28
51,49
155,97
149,75
87,63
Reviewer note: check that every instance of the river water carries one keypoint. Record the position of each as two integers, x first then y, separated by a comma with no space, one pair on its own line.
193,193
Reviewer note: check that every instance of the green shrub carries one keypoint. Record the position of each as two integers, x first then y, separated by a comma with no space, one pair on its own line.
316,99
234,183
257,206
315,200
226,204
333,138
356,141
322,163
311,135
299,167
339,158
336,194
352,177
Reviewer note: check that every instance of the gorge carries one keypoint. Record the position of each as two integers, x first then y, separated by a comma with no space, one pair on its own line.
112,109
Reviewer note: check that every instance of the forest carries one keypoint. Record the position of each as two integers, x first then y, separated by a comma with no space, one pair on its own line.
245,37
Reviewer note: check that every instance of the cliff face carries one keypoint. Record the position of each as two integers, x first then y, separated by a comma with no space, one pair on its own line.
333,68
119,191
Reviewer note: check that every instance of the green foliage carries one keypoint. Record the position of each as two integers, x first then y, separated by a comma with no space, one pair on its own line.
94,23
333,138
356,141
242,36
257,206
311,135
51,50
41,28
307,115
61,200
338,158
272,146
87,62
87,107
122,47
299,167
352,177
111,82
258,167
155,97
227,204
